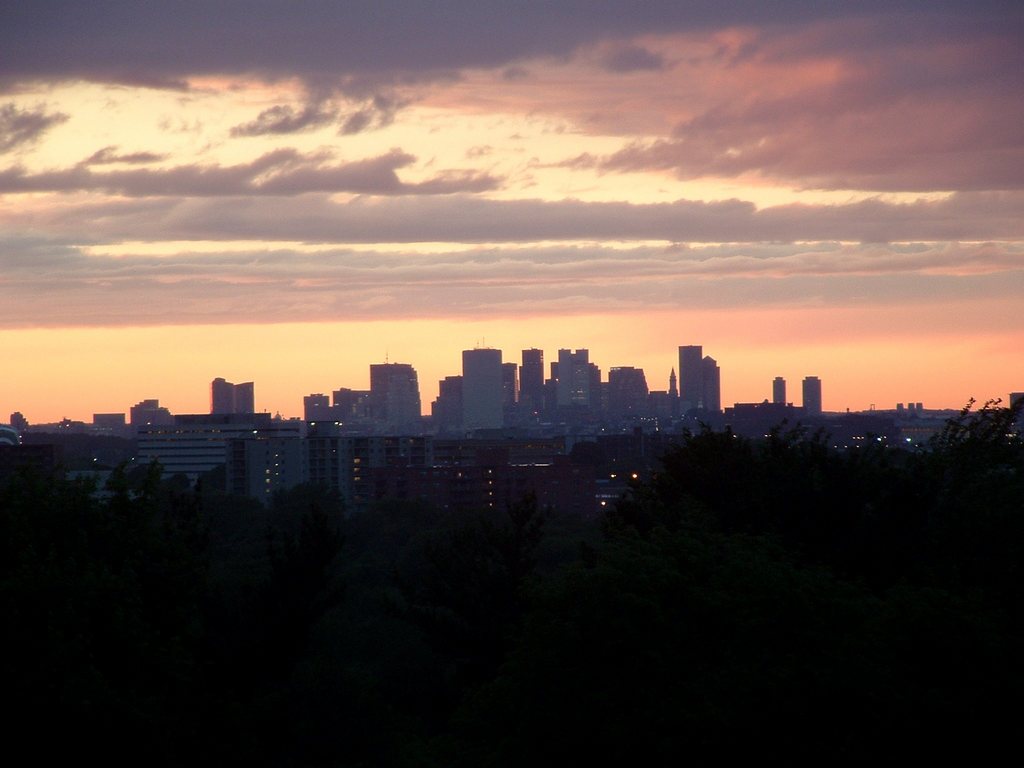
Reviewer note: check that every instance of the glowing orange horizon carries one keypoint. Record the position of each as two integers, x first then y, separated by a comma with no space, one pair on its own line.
74,373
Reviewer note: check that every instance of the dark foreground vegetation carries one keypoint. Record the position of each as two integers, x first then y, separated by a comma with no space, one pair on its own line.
770,600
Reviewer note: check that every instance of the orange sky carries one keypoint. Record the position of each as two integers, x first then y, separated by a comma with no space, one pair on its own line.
287,361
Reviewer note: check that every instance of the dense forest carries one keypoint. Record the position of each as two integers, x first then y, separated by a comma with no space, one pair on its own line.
765,599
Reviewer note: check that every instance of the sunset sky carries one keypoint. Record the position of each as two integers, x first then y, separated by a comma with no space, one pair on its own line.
286,192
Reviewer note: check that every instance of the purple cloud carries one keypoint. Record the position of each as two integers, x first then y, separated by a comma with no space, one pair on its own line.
23,126
123,41
281,119
109,155
281,172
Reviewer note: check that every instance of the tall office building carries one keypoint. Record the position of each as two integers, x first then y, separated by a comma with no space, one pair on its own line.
812,396
481,389
691,377
447,408
395,397
226,397
509,384
531,380
579,380
627,392
711,386
779,390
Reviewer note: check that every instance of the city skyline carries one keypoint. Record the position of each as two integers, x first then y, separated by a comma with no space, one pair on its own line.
400,385
286,197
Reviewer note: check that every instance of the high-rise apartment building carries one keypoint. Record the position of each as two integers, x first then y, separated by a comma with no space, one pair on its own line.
245,397
481,389
316,407
226,397
691,377
812,396
779,390
222,396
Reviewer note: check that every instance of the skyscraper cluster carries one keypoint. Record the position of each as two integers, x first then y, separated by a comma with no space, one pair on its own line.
492,393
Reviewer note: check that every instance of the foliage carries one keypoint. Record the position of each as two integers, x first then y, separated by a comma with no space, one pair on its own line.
753,598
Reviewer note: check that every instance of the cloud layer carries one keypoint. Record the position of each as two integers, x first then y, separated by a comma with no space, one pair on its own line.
470,219
497,129
287,285
281,172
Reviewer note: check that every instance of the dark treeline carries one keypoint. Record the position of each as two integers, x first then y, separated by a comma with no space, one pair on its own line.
768,600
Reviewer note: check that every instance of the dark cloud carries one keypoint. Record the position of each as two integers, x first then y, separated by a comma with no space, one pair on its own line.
23,126
828,106
161,43
376,112
281,172
111,155
282,118
632,58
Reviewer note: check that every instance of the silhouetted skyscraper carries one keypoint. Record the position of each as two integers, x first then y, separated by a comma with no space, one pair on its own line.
531,380
447,408
579,380
481,389
395,397
627,392
691,377
812,396
711,386
509,384
779,390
